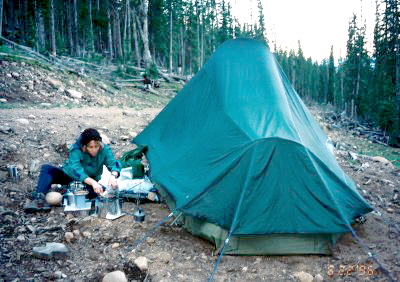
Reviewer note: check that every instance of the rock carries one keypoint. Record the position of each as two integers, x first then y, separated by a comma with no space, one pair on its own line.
141,263
132,134
318,278
115,245
74,94
22,121
58,274
31,228
68,236
50,250
104,138
353,156
390,210
303,276
54,82
150,240
5,129
54,198
87,234
115,276
70,218
76,233
124,138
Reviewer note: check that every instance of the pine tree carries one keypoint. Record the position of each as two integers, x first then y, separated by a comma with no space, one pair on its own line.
385,79
331,79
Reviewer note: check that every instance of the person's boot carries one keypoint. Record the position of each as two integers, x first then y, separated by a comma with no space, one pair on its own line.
38,204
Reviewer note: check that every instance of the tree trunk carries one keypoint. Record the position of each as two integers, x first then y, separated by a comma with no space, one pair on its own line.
40,35
91,33
110,45
398,90
127,31
183,54
135,39
170,40
53,31
117,33
145,33
198,36
69,24
1,18
11,19
357,90
75,28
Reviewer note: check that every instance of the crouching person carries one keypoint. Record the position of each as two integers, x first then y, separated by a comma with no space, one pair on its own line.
85,164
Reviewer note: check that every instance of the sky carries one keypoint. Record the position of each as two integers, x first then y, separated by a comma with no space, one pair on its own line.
318,24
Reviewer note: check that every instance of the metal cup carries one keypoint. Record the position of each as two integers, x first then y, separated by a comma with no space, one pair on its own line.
13,172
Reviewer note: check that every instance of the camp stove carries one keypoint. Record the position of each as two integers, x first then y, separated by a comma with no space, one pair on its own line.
75,199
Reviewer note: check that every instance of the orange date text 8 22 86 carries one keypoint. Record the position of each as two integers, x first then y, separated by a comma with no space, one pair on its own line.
353,269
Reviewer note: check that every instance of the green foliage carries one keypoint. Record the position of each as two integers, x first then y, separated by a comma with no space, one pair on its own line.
152,72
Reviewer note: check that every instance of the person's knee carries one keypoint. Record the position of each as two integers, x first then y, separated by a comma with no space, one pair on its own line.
46,168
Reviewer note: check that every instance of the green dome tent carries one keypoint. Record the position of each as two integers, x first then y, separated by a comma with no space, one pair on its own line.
240,155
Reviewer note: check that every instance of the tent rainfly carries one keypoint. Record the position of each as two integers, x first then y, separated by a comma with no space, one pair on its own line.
241,157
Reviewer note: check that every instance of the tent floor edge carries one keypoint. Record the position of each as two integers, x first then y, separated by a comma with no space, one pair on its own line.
273,244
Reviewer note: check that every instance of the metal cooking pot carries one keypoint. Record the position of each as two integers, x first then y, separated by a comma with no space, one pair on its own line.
108,204
80,199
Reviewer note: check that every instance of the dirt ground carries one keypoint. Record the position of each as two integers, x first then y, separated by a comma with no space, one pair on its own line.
36,135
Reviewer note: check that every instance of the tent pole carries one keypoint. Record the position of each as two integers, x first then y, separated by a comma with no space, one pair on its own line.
365,248
221,253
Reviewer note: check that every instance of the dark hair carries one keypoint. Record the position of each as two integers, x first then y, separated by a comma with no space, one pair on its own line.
88,135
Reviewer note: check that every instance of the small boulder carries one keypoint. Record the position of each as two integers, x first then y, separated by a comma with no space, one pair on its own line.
54,198
74,94
22,121
303,276
115,276
68,236
141,263
50,250
318,278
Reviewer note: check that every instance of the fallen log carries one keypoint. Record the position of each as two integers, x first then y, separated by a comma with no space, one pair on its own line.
27,49
129,80
16,56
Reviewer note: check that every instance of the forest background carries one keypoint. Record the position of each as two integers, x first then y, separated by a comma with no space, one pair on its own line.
180,35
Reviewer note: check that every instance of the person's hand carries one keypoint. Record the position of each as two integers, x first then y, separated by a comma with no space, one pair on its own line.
112,182
97,187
